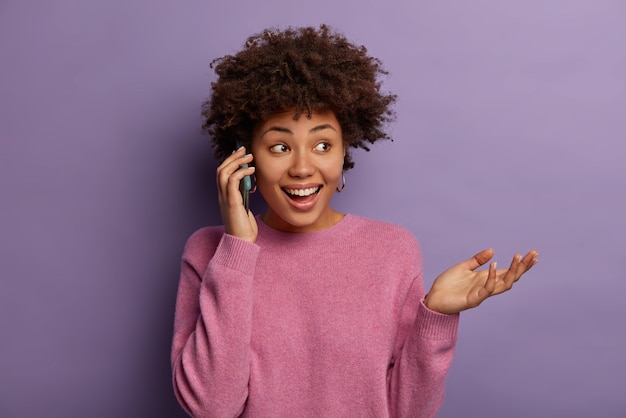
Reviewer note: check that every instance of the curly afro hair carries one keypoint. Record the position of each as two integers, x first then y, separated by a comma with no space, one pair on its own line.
305,69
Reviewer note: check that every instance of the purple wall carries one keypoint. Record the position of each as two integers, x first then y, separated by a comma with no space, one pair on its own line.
511,133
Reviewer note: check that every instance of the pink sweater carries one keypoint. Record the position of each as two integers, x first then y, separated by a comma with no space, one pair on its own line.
323,324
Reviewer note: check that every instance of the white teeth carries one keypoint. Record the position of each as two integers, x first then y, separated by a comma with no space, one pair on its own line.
302,192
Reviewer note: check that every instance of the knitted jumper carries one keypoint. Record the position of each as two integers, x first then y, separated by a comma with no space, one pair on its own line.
321,324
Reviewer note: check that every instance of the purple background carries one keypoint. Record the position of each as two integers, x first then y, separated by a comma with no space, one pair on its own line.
511,134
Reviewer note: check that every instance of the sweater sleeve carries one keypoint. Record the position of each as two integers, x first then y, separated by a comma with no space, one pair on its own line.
212,327
423,355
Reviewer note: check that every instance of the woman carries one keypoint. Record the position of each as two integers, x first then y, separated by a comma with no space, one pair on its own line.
304,311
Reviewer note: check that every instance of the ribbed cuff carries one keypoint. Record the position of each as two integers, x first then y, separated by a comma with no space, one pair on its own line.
435,325
236,253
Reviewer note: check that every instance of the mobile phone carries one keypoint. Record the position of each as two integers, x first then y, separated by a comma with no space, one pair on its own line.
245,185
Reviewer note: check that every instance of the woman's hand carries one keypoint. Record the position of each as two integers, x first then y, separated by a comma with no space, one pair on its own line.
237,221
460,287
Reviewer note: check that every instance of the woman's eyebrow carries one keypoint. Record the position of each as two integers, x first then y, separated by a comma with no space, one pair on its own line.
288,131
322,127
277,129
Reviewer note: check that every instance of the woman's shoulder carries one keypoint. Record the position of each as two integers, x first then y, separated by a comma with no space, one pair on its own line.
203,241
383,232
379,226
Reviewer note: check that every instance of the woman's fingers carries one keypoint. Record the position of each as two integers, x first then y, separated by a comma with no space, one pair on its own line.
484,288
234,195
490,284
517,268
237,221
230,173
524,264
478,259
232,164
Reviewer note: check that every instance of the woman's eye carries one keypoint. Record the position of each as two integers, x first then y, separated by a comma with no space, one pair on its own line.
322,146
278,148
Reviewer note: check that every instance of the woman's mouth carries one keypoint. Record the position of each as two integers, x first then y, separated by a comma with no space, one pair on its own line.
302,192
302,196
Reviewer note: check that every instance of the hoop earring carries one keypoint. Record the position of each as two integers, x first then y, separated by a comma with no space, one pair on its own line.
343,183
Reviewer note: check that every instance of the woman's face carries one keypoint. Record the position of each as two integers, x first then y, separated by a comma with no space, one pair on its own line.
298,167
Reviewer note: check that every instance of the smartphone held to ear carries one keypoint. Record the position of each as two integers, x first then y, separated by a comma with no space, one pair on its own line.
245,185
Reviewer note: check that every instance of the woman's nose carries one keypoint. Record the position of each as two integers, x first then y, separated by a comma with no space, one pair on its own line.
301,165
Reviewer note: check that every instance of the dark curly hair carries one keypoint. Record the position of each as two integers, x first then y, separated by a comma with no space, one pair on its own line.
305,69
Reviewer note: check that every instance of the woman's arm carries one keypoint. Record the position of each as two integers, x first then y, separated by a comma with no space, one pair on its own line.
423,355
212,327
428,328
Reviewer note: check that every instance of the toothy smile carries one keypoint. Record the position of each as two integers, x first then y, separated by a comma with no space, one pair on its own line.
302,192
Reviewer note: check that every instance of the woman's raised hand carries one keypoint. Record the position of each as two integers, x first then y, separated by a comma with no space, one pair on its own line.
237,220
461,287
